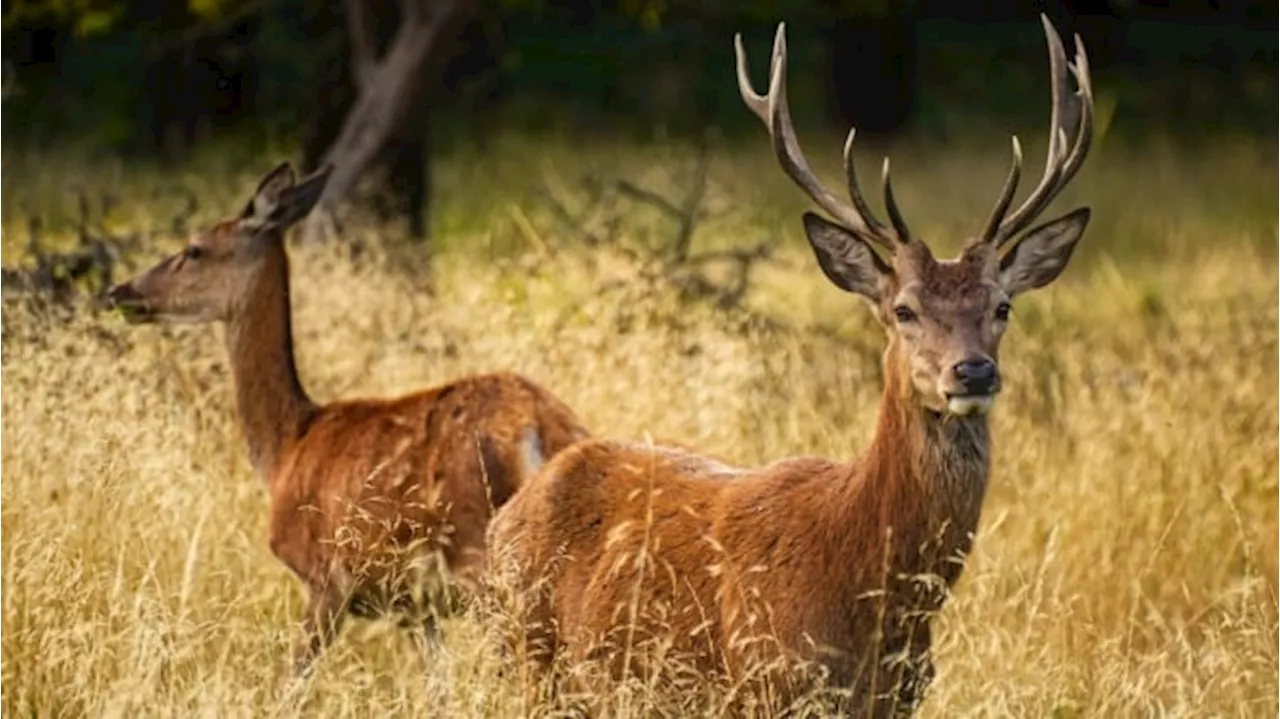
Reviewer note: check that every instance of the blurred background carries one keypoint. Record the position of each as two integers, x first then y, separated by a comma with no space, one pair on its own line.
574,190
392,86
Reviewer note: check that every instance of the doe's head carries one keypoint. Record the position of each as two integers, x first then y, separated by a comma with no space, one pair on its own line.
210,279
944,318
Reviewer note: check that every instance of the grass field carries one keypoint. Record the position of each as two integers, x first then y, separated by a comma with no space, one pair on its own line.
1125,564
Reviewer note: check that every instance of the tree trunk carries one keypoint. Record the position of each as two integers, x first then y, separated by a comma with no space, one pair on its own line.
388,89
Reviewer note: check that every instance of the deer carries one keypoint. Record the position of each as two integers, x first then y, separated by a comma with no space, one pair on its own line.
377,505
630,557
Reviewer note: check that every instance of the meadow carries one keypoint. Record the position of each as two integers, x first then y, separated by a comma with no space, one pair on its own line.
1125,564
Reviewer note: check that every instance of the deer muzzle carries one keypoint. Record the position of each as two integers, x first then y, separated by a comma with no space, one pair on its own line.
975,381
132,305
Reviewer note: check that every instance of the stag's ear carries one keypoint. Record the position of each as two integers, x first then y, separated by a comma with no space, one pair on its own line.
1040,256
845,258
267,197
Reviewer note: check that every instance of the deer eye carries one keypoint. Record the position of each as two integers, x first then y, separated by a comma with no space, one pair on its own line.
193,252
904,313
1002,311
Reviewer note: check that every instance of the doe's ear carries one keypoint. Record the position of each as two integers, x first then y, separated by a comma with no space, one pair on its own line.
1042,254
280,202
299,200
267,196
845,258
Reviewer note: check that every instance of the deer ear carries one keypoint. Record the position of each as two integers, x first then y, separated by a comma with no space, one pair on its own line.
845,258
267,197
1042,254
296,202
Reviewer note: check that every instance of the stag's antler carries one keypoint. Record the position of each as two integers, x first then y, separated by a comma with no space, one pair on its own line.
1062,162
773,111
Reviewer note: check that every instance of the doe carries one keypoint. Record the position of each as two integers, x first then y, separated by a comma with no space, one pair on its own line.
367,495
630,558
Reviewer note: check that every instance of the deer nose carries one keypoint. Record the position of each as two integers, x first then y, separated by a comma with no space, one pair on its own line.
118,296
977,375
118,293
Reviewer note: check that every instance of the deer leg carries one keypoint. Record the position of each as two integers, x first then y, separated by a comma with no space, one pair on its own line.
428,637
912,676
325,612
914,683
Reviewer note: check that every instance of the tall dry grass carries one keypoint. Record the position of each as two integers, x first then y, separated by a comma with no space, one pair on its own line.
1126,563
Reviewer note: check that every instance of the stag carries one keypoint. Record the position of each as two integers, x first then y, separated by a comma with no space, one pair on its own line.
379,506
631,558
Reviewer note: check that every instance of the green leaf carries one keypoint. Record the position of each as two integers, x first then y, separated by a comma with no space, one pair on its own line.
96,21
651,17
206,9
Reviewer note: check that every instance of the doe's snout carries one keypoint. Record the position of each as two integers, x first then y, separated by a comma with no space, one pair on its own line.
977,375
126,298
120,294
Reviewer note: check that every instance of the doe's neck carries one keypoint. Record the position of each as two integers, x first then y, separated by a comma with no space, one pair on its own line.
273,405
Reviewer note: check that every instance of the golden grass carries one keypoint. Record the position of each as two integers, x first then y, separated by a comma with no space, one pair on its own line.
1125,564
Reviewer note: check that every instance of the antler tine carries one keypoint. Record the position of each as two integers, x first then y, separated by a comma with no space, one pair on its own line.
774,111
1006,194
851,179
1062,161
899,224
754,102
1084,135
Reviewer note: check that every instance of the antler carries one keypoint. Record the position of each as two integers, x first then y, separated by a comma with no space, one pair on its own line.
1062,161
773,111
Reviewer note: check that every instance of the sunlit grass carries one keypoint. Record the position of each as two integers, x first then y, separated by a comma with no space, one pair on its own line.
1126,563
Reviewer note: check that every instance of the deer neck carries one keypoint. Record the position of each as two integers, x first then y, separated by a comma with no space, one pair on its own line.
274,408
926,475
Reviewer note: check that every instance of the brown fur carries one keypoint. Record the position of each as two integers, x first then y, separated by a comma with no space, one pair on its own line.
635,559
364,492
805,558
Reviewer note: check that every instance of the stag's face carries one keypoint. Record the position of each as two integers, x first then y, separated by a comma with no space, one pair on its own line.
212,278
945,318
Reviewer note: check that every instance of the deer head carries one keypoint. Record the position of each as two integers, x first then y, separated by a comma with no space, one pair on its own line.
944,318
210,279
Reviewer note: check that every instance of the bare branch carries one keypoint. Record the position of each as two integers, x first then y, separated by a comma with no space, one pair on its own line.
384,104
573,222
636,192
364,44
689,214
